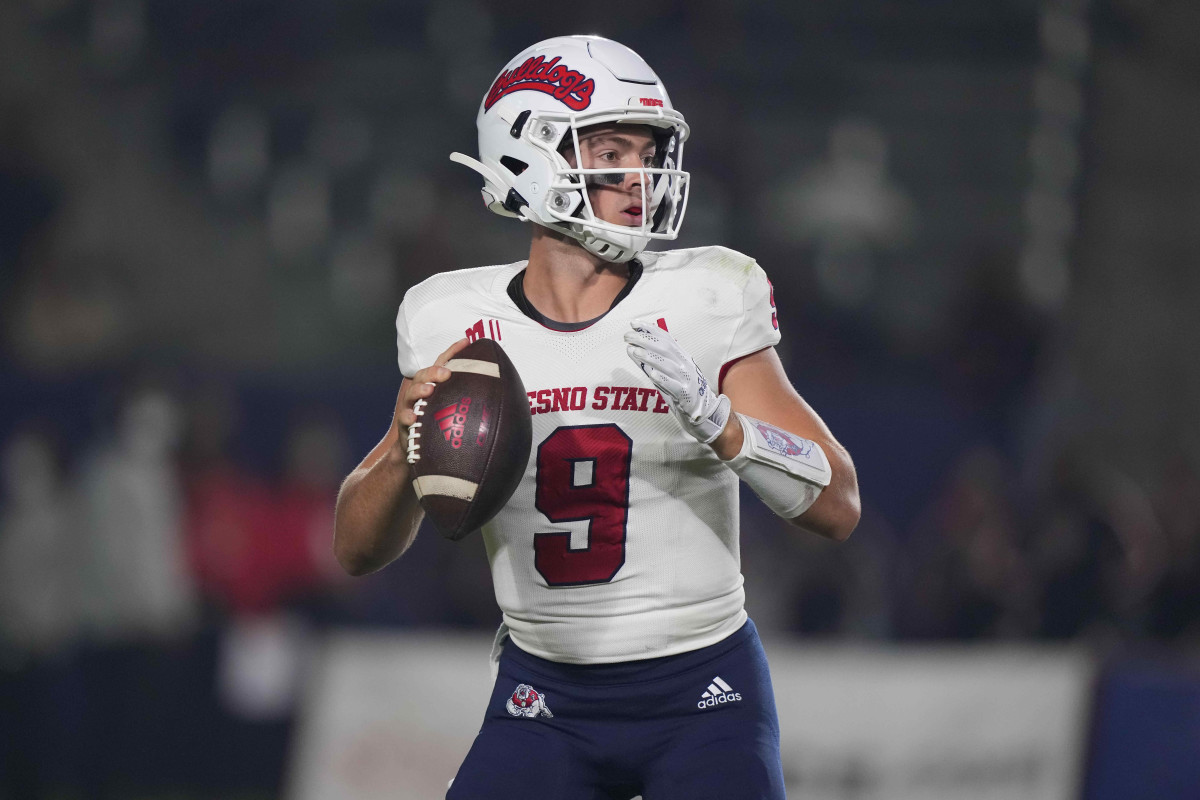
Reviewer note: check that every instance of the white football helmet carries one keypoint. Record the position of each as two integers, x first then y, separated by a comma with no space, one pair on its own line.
538,104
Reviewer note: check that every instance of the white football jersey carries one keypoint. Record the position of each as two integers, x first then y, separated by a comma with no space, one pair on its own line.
621,541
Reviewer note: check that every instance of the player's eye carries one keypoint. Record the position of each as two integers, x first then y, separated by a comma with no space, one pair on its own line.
648,160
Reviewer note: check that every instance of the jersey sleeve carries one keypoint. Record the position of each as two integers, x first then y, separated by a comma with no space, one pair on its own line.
406,352
758,326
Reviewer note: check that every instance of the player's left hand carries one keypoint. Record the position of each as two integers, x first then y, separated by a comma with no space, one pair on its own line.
702,412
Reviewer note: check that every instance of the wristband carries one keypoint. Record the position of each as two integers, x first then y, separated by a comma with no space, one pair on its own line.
786,471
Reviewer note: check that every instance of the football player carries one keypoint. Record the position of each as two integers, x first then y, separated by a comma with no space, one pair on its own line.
626,661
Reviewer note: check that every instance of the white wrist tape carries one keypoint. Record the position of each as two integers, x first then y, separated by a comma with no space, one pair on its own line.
784,470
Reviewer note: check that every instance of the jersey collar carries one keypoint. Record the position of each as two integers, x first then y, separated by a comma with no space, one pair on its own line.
516,290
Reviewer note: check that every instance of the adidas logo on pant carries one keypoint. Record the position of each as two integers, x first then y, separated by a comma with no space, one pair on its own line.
719,692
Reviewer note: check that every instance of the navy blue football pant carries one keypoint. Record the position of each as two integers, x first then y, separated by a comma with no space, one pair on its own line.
694,726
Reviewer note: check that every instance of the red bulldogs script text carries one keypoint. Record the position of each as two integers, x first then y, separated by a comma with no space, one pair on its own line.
570,86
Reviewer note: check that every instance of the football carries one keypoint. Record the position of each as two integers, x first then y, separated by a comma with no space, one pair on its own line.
470,444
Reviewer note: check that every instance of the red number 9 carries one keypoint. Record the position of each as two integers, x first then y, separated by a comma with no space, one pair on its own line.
603,502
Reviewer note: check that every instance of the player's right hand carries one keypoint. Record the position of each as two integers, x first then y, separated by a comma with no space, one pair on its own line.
417,389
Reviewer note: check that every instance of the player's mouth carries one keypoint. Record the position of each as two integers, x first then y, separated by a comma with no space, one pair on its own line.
632,215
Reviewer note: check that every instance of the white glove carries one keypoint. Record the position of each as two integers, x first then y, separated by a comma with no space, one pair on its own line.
702,412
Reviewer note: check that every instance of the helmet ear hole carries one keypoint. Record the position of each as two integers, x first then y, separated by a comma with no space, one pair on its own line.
513,165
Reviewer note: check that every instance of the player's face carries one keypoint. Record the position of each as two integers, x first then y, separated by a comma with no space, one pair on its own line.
617,197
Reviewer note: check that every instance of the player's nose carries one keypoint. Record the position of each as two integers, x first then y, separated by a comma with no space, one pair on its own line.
634,176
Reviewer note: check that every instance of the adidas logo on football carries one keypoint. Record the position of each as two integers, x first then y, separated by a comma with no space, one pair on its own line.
452,419
719,692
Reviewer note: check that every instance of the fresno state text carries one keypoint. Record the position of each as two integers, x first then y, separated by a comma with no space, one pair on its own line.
602,398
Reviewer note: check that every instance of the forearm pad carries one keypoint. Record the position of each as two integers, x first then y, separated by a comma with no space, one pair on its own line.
784,470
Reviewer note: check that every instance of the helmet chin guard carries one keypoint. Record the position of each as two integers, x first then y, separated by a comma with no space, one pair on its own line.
539,103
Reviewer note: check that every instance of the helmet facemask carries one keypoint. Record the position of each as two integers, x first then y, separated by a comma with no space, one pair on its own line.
664,187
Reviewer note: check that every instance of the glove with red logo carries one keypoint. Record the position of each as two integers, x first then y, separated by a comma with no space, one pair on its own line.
702,412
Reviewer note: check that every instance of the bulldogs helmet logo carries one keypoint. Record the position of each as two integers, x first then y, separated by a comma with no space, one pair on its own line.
569,86
781,443
528,702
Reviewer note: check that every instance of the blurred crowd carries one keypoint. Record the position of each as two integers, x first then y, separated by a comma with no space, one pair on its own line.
1089,557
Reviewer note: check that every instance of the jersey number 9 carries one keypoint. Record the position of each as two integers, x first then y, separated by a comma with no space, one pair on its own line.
568,491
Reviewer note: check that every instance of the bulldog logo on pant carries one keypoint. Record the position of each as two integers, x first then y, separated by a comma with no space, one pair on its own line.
528,702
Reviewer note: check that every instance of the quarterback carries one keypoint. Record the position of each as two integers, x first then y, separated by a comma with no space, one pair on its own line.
625,662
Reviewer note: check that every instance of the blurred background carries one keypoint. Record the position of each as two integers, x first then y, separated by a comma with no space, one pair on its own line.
980,219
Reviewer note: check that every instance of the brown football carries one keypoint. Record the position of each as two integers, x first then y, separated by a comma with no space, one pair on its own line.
472,440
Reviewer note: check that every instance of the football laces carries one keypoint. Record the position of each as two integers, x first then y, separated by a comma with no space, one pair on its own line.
414,433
